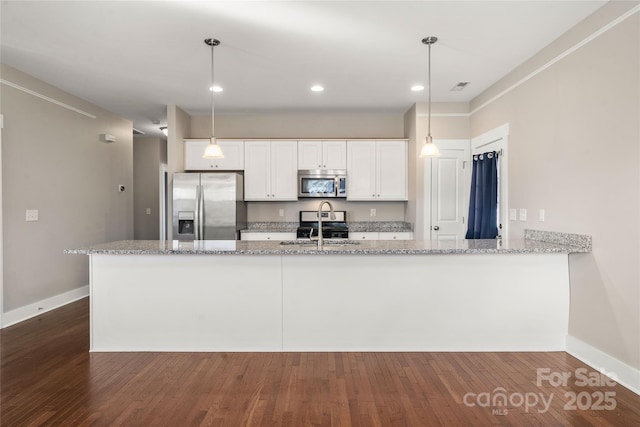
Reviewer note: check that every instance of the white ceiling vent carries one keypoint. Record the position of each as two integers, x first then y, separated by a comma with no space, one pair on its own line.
458,87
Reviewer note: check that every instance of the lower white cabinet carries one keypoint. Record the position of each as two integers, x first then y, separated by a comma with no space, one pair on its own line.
253,235
382,235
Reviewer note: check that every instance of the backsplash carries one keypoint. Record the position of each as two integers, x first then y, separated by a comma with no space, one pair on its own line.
356,211
576,240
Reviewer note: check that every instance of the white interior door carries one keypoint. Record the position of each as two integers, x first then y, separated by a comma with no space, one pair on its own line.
449,191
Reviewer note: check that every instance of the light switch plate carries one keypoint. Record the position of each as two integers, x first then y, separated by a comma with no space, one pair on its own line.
541,215
148,211
513,214
523,214
373,212
31,215
281,212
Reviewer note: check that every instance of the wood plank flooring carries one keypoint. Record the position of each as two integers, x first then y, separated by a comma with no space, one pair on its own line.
48,377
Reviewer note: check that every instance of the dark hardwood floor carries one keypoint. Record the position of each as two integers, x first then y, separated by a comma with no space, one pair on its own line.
48,377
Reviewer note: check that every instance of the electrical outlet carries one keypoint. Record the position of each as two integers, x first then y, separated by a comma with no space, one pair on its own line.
281,212
523,214
120,188
148,211
541,215
513,214
31,215
373,212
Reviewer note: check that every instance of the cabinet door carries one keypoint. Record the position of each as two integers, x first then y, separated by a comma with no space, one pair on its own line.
284,170
275,236
391,166
193,151
257,171
361,170
233,156
363,235
309,154
334,154
398,235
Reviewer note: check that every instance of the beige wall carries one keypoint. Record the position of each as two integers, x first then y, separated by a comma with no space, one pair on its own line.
148,155
179,127
574,151
53,161
300,126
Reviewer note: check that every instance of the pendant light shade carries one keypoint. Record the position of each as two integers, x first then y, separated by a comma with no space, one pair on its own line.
429,149
213,150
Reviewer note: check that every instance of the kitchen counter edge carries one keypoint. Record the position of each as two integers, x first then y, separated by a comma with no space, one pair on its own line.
405,247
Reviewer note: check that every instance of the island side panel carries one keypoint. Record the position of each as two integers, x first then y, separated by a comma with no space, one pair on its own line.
186,303
473,302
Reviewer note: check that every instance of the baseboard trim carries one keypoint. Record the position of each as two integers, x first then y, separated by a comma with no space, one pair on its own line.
37,308
625,375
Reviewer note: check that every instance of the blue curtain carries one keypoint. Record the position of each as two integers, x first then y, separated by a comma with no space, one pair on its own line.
483,204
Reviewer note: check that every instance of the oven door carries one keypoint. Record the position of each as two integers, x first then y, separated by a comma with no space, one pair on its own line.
317,186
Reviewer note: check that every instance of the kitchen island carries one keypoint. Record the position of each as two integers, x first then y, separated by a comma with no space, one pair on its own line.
466,295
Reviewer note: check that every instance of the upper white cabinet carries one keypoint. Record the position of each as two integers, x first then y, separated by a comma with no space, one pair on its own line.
271,170
322,154
233,155
377,170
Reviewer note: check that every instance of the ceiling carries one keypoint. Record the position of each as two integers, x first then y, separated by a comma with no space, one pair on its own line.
135,57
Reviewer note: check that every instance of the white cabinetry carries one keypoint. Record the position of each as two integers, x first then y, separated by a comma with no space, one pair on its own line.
382,235
271,170
322,154
276,236
233,155
377,170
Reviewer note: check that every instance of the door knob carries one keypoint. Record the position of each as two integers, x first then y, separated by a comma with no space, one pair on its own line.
435,227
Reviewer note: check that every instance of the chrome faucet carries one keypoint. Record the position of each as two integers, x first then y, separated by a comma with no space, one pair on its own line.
332,216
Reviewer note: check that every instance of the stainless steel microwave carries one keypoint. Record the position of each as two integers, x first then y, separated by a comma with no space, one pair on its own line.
322,183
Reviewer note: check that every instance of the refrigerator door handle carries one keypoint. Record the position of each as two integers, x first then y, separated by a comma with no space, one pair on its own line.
196,228
201,214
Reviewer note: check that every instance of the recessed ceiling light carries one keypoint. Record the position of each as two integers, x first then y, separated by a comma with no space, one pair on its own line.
216,89
317,88
417,88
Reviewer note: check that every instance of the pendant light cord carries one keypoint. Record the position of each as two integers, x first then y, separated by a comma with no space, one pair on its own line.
211,89
429,82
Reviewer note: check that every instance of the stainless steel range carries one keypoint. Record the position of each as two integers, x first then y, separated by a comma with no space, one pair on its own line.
331,228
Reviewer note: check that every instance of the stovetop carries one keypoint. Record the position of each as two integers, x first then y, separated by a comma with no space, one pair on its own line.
331,228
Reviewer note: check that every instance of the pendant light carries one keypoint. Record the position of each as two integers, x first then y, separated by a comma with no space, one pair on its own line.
213,150
429,149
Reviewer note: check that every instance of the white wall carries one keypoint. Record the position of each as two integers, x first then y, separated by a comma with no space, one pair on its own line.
53,161
574,151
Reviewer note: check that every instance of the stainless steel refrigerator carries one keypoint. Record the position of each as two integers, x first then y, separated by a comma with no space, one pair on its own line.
208,206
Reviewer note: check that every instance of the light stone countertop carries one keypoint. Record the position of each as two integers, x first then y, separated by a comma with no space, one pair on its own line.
331,247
